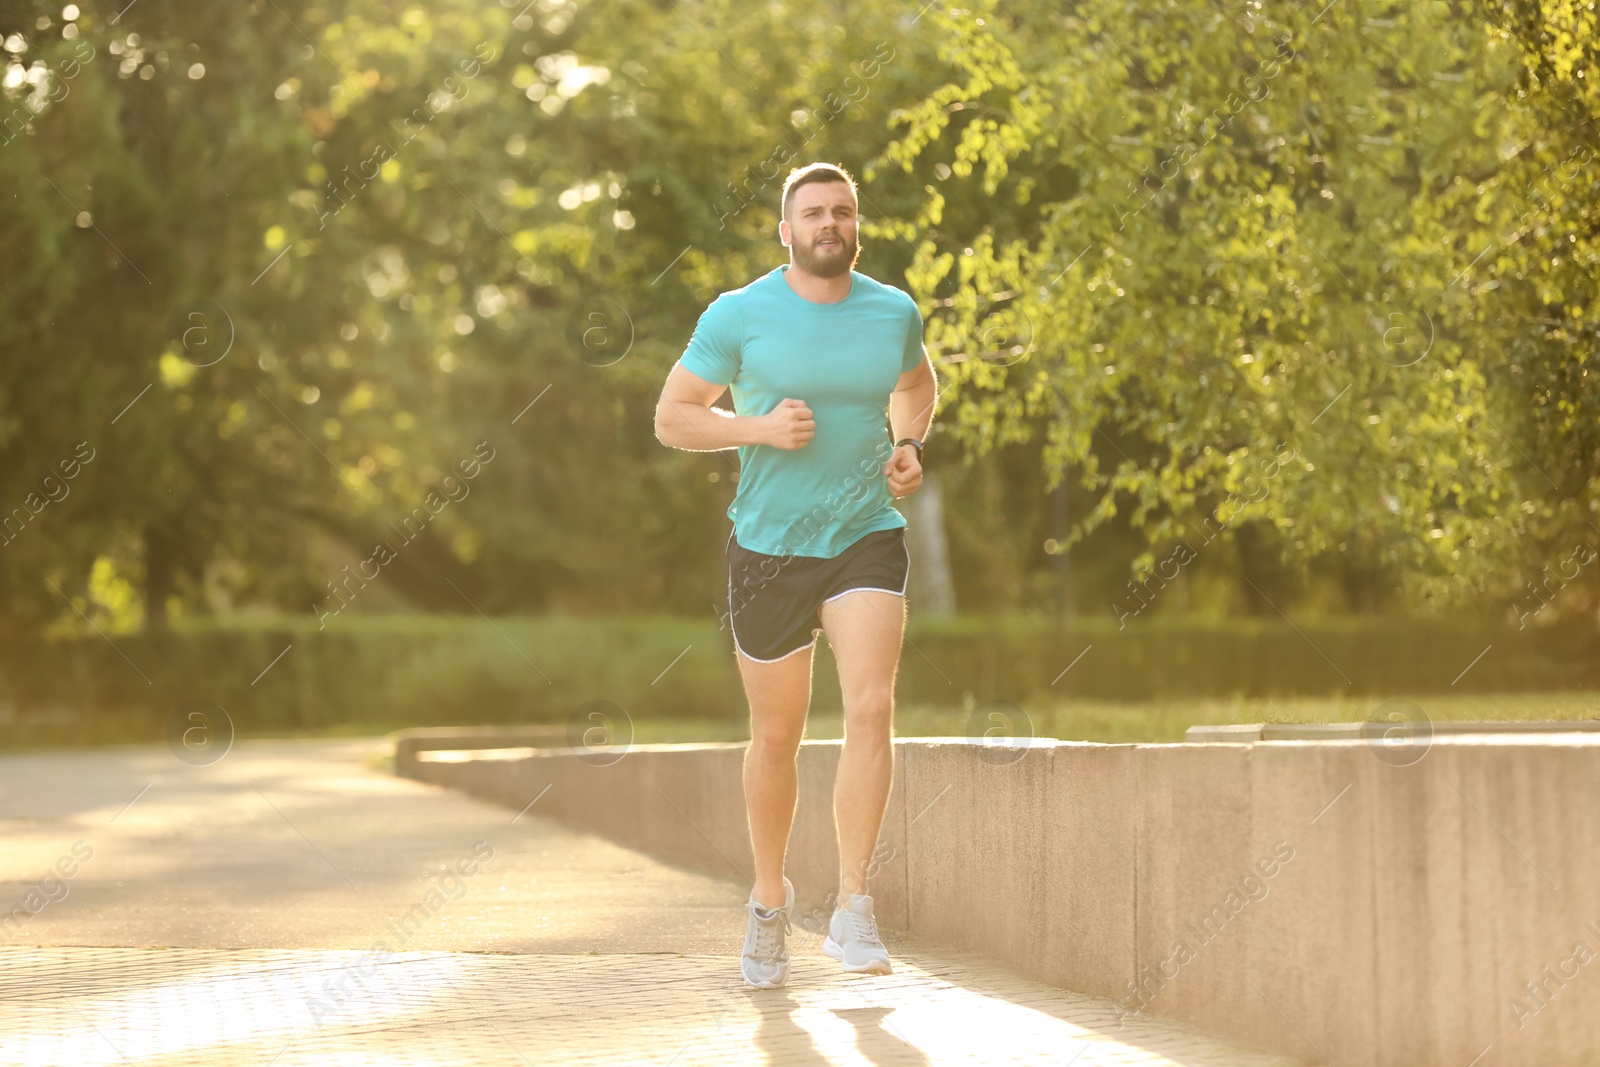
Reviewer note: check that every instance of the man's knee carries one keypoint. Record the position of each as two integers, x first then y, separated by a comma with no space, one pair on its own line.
775,743
868,708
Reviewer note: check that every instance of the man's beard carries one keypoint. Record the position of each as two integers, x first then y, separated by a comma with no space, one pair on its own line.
828,262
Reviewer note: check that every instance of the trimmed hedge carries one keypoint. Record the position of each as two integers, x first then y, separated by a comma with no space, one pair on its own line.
1023,658
435,670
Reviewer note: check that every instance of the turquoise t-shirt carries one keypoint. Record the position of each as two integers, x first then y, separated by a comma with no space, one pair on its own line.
767,342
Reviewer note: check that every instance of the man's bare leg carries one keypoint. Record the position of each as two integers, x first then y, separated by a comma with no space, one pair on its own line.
779,694
864,629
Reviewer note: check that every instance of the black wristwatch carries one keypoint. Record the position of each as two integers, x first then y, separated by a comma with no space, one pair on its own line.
913,442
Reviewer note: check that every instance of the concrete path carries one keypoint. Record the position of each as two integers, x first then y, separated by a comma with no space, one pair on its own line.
295,904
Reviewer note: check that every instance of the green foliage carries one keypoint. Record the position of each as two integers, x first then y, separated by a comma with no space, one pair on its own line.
273,676
1200,238
1155,247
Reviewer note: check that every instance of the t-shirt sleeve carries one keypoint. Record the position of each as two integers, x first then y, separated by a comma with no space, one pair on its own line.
714,349
913,352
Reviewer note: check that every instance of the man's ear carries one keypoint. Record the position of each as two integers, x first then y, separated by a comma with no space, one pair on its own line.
783,232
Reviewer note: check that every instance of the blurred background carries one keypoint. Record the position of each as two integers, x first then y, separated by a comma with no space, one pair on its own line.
331,336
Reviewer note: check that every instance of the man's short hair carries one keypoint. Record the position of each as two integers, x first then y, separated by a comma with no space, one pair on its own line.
814,172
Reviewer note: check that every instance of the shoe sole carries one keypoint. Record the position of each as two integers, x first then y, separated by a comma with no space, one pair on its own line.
870,967
772,983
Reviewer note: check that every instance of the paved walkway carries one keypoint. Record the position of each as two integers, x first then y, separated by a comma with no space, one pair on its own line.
295,904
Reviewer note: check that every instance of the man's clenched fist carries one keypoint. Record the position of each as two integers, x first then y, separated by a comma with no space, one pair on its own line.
904,471
790,425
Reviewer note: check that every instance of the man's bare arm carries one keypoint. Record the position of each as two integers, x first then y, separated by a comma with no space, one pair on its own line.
685,418
911,403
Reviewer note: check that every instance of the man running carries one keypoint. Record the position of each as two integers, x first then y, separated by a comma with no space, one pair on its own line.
813,352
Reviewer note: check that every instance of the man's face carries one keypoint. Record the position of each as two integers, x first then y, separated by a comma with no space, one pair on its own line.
822,229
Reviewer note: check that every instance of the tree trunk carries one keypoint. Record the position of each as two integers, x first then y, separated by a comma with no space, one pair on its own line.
1258,587
1066,592
930,584
159,566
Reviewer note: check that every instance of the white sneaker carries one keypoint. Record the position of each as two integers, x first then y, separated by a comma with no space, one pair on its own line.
765,962
853,938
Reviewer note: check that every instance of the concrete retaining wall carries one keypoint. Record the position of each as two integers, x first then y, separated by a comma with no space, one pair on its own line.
1437,906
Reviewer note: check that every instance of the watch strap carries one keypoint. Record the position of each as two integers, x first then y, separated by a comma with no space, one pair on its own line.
913,442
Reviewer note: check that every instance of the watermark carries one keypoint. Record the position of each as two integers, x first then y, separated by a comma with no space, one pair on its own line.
199,732
51,889
1004,337
600,732
1544,190
49,87
1002,730
1397,328
452,489
1251,888
1396,331
1580,557
55,490
451,93
193,328
1001,337
818,919
833,104
599,331
1551,979
1141,595
857,486
1265,71
450,886
1234,503
1165,571
1533,215
1400,734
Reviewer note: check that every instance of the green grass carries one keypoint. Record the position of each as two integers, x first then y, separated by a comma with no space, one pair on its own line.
1162,721
1108,722
1157,721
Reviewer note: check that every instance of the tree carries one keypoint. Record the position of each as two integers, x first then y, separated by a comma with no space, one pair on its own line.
1215,263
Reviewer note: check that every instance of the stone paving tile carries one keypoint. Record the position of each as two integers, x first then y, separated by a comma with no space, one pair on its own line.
187,1007
239,896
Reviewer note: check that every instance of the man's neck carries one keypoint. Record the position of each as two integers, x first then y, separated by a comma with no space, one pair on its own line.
817,289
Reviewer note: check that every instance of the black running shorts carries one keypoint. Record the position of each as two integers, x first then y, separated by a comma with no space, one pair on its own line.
775,602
